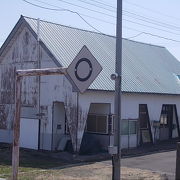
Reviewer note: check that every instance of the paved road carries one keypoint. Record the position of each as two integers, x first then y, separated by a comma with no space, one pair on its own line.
164,162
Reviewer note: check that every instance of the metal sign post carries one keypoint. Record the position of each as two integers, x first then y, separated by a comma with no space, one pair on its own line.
82,71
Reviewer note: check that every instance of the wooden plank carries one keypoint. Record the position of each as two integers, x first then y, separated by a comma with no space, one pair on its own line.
41,72
19,75
15,153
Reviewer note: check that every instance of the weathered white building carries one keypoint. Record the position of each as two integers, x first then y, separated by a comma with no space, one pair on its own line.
53,111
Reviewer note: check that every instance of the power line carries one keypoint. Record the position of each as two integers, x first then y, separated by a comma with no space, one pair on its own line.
85,15
110,22
143,18
162,37
151,10
134,4
124,19
135,35
137,22
150,27
64,10
82,7
105,4
153,20
141,32
96,5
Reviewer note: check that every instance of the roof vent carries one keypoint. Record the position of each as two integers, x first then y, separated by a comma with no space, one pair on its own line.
178,76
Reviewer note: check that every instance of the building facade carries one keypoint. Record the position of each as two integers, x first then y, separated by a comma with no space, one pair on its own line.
53,112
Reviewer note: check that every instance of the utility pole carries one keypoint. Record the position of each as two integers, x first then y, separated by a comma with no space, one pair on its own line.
116,155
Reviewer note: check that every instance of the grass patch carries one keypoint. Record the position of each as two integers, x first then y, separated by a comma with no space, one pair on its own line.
30,162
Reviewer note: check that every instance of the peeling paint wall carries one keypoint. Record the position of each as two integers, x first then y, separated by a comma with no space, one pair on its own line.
57,88
21,55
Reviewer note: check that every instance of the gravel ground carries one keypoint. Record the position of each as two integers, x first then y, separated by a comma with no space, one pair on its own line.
98,171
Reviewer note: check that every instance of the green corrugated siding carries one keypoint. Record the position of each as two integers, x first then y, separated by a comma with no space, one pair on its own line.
145,68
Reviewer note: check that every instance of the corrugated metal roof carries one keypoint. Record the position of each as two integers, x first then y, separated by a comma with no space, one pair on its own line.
145,68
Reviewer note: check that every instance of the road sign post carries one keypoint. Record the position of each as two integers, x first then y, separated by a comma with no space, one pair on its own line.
84,69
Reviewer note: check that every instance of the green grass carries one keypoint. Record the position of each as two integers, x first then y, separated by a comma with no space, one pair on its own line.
31,163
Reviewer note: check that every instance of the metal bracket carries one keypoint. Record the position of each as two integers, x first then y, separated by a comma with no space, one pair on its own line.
112,150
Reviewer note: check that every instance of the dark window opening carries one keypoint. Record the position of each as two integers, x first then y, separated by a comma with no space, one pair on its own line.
144,125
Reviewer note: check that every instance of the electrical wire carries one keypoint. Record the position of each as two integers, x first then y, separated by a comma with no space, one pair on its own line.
142,18
134,22
124,19
153,21
85,15
64,10
135,35
155,35
141,32
139,6
150,27
105,4
96,5
91,16
148,9
82,7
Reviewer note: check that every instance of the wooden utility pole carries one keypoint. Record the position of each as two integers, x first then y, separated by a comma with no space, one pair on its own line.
19,76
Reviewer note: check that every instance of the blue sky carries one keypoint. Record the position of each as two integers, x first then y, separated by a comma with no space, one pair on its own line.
143,20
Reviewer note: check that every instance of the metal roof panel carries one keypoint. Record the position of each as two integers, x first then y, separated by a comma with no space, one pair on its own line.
145,68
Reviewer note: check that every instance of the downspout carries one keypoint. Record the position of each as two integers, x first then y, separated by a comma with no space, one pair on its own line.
39,81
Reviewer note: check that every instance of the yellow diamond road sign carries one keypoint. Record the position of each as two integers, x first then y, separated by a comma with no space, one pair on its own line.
84,69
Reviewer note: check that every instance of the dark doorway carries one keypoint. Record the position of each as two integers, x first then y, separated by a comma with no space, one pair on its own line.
168,122
144,125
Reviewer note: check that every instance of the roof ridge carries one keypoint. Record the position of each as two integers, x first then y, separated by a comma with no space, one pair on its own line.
112,36
70,26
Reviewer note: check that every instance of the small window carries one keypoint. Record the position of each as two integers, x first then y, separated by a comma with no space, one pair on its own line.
163,119
132,127
91,123
97,124
101,124
124,127
128,126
